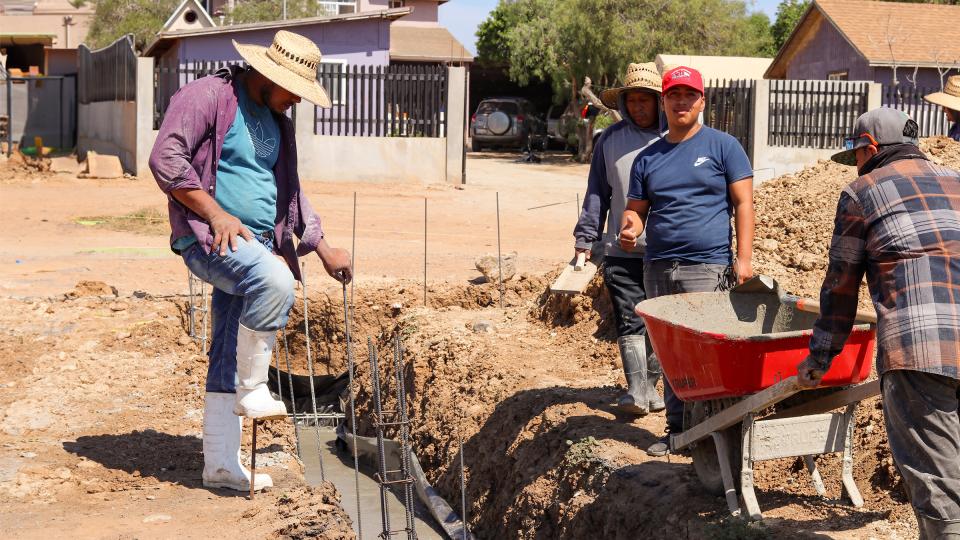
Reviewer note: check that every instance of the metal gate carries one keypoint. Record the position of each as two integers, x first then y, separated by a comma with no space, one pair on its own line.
38,107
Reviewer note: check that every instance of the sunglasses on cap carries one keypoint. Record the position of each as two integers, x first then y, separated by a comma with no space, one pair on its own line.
849,143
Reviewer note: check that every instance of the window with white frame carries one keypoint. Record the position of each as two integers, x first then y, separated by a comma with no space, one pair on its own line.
397,3
336,7
842,75
331,73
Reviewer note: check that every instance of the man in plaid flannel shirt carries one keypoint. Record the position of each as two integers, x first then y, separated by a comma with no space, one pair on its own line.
899,223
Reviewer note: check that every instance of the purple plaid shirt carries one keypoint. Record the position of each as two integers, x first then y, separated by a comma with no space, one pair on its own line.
899,224
187,151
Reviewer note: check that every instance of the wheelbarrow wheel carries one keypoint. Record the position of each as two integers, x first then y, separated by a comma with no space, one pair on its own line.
704,453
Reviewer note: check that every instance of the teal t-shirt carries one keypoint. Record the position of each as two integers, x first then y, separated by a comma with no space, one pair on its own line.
246,187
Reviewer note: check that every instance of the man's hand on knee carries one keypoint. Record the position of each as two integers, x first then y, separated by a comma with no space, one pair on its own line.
226,229
336,261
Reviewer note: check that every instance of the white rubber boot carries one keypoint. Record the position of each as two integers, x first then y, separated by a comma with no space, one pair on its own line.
254,350
221,447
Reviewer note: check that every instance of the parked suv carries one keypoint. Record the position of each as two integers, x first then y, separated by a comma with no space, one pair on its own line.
506,121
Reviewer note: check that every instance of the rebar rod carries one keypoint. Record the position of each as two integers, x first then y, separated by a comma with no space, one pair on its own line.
578,206
293,397
206,312
405,459
313,391
463,489
353,247
193,306
381,452
499,258
353,408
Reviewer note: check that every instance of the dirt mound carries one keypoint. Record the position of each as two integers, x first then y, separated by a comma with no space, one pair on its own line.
795,219
942,150
91,288
378,308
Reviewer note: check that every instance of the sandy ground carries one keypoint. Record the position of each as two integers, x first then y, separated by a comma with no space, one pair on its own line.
46,250
101,396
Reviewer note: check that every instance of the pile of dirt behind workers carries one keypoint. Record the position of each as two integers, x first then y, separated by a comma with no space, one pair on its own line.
795,219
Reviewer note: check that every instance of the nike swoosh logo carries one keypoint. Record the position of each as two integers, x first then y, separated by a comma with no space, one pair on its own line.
700,161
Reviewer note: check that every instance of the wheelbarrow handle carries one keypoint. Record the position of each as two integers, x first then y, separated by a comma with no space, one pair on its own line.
812,306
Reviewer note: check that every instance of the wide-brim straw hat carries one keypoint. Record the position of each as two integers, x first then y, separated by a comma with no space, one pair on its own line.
290,61
950,97
639,77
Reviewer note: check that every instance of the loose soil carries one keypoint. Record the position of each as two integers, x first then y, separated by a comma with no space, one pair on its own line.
101,388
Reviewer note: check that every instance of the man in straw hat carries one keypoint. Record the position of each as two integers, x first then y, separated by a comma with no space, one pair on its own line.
683,189
899,224
637,100
949,99
227,159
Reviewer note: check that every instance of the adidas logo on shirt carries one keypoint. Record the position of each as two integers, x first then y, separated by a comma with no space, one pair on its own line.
700,161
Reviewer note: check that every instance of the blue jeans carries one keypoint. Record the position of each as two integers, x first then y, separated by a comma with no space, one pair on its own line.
252,287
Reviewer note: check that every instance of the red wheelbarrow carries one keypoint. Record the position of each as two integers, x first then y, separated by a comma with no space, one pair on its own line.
731,357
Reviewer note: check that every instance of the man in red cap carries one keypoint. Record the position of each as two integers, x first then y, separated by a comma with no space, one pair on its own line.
683,190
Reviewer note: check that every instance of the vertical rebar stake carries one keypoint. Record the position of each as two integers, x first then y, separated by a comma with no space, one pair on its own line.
206,313
424,252
499,257
381,452
405,459
193,306
293,397
578,206
353,409
253,459
463,485
313,392
353,247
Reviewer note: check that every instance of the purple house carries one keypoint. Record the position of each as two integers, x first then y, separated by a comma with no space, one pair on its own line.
865,40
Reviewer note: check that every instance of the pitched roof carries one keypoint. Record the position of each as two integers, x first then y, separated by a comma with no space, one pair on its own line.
717,67
919,34
426,44
164,39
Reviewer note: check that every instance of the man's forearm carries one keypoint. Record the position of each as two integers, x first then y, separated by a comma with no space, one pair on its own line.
744,224
199,202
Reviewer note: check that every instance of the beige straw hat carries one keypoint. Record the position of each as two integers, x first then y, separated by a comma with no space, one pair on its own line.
950,97
643,76
290,61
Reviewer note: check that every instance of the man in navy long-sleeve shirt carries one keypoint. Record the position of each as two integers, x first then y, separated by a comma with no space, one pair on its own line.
603,204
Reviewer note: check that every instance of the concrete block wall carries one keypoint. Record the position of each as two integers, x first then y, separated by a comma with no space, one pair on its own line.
772,161
422,160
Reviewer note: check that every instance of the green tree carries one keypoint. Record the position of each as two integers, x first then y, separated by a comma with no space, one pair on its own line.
563,41
142,18
788,15
760,35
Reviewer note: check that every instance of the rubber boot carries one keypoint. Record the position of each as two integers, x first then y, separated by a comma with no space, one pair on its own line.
254,351
221,447
654,371
633,353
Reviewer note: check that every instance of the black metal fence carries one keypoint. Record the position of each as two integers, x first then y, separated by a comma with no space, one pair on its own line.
384,101
909,99
729,107
167,80
814,114
367,101
108,74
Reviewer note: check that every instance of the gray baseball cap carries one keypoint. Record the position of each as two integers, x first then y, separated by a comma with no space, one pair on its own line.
881,127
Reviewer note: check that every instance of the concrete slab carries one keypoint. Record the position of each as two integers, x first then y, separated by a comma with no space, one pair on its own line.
338,468
102,166
65,164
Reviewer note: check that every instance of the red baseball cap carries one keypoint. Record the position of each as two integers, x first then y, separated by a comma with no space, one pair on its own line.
682,76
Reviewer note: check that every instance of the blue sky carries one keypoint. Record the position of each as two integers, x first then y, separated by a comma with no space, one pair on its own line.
462,17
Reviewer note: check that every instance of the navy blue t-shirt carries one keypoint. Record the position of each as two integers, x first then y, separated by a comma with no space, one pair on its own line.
686,185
